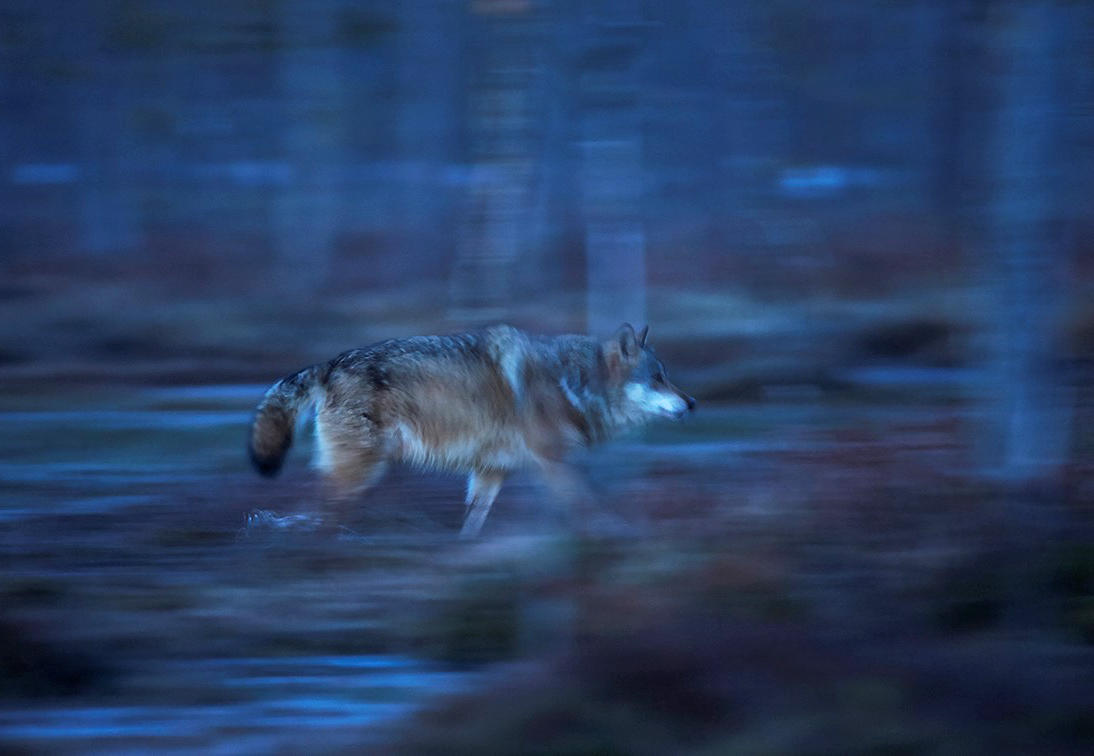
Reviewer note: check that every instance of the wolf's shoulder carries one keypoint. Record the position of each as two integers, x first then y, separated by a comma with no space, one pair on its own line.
507,342
502,339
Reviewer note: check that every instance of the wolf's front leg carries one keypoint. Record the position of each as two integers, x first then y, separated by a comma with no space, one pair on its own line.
579,506
572,495
482,489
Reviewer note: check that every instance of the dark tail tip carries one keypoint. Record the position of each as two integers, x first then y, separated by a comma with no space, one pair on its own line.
268,465
270,439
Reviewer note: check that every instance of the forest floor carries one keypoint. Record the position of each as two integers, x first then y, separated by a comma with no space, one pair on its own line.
813,563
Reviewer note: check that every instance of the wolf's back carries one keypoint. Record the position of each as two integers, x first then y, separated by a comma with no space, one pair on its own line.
275,417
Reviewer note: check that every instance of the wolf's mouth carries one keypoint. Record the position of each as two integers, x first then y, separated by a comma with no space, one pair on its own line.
671,413
654,403
679,414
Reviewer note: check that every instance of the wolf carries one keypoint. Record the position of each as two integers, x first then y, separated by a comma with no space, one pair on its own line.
484,403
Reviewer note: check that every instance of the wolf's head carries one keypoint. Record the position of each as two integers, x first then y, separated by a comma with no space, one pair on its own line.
645,387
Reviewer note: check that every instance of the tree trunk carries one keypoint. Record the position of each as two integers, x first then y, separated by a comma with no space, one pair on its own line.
612,175
1027,426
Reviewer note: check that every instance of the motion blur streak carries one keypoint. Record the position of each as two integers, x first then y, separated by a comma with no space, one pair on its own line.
859,228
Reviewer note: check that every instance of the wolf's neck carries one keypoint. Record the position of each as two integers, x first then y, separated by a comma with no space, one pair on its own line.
583,382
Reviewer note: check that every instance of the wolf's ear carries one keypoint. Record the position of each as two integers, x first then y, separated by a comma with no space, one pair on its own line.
622,348
642,335
628,341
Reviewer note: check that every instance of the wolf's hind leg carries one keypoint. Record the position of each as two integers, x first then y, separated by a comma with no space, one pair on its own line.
346,475
482,489
349,454
349,472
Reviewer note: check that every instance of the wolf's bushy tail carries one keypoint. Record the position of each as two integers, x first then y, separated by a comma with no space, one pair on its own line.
275,418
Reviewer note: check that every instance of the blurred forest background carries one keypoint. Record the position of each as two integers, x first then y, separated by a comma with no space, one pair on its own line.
860,231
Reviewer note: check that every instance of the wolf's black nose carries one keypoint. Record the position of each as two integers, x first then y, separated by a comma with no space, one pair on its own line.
691,402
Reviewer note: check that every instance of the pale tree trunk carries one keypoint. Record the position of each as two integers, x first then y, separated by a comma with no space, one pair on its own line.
1024,407
1025,435
611,171
495,223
